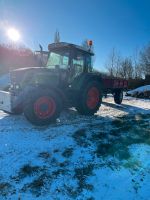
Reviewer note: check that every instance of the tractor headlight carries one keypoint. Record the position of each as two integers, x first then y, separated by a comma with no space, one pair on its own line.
17,87
14,86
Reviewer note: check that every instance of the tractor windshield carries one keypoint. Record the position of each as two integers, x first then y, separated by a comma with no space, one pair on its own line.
59,59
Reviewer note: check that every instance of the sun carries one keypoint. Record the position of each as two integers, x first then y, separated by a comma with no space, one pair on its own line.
13,34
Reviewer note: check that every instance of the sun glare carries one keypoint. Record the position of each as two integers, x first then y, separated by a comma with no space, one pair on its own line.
13,34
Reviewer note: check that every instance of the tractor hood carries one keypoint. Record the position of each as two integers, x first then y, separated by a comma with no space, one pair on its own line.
25,69
38,76
18,75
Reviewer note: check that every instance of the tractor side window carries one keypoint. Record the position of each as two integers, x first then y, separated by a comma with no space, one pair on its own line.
78,63
65,60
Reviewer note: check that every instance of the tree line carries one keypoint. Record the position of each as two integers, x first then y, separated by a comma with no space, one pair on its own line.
135,67
13,57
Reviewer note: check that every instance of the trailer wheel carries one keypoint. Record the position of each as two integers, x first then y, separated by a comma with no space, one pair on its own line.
118,96
43,107
90,99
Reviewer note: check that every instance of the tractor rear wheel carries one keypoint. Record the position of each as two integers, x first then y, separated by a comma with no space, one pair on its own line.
90,99
118,96
43,107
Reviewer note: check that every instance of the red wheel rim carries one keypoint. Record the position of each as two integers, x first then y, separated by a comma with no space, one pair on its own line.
93,97
44,107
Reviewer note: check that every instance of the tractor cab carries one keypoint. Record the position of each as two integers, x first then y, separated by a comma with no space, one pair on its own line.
69,57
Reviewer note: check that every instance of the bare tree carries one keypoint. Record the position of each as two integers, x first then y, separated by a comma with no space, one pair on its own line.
113,63
145,60
137,67
126,69
138,71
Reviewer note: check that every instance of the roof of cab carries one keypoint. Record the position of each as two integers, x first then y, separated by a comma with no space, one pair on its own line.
65,44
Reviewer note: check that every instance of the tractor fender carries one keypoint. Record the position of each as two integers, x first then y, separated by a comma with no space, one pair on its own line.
81,81
30,90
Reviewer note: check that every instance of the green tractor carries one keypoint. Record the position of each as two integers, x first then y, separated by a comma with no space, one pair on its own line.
67,80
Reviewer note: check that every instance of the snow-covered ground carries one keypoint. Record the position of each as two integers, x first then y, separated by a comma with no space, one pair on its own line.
104,157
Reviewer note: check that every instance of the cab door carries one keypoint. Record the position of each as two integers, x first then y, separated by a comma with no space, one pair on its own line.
77,64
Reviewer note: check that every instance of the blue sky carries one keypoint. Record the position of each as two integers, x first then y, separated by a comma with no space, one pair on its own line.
123,24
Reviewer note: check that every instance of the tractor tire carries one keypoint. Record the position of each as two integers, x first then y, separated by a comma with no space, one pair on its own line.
90,99
118,96
43,107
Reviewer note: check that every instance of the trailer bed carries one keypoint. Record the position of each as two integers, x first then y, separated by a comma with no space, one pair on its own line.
115,83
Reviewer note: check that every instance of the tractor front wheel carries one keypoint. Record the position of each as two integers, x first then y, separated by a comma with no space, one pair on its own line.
42,108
